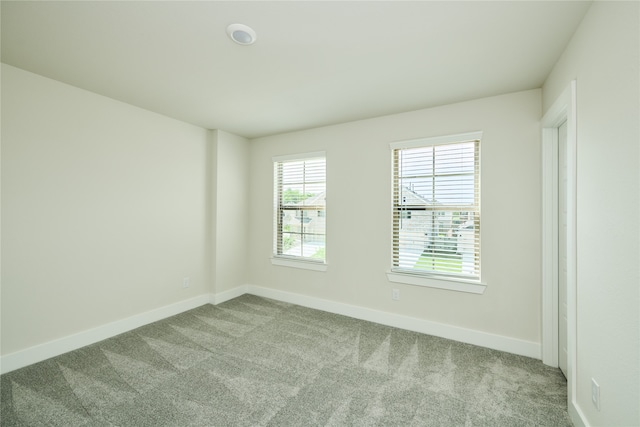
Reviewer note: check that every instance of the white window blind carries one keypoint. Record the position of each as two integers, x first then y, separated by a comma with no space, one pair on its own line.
436,206
300,207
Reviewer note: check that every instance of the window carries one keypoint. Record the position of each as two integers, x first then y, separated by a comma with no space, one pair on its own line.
300,207
436,207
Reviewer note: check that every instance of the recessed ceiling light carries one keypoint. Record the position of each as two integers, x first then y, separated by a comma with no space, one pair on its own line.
241,34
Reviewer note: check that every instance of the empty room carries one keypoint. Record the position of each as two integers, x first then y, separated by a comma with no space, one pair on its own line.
327,213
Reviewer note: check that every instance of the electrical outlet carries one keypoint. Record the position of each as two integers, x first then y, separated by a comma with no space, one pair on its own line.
595,394
185,282
395,294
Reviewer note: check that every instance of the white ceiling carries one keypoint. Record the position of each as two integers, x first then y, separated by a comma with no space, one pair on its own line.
314,63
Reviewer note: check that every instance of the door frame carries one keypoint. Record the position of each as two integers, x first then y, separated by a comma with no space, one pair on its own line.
563,109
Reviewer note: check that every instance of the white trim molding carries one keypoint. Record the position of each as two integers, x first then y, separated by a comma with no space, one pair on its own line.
436,140
452,284
227,295
299,263
38,353
563,109
469,336
301,156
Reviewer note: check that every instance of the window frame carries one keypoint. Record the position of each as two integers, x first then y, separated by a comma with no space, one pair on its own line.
291,260
459,282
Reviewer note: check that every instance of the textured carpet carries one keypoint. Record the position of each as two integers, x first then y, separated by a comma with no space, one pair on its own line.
257,362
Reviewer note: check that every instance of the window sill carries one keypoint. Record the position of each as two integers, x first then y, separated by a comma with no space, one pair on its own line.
438,282
298,263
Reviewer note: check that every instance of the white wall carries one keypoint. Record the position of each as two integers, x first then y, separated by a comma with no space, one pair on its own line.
231,160
603,58
359,215
105,208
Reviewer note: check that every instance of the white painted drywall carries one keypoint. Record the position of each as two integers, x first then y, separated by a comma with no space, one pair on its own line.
231,212
359,215
104,210
603,57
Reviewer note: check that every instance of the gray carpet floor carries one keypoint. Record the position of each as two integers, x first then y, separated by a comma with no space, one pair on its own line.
257,362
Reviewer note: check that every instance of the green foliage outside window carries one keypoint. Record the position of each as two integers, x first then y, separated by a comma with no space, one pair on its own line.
291,197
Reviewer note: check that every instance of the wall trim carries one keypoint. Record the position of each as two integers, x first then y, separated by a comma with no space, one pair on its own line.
228,295
40,352
563,108
577,416
469,336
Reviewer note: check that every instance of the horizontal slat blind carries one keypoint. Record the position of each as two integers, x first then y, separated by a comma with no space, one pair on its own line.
436,208
300,208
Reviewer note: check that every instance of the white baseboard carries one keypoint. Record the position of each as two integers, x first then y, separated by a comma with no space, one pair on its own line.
470,336
228,295
44,351
577,416
60,346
